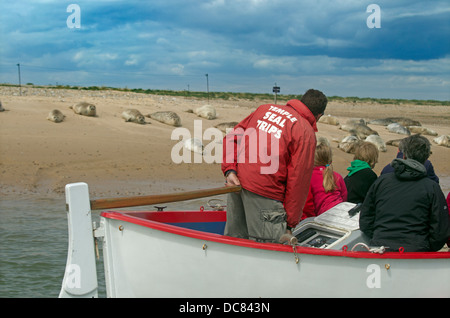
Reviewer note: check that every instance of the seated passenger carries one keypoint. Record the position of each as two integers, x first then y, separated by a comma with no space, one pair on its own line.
361,175
428,166
327,187
405,208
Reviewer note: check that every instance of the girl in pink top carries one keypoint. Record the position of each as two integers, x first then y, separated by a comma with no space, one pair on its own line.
327,187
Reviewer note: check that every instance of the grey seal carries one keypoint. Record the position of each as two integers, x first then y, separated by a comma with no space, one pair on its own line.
134,116
356,121
358,129
348,144
422,130
194,144
56,116
85,109
206,111
166,117
330,120
399,120
394,142
377,141
398,129
443,140
405,121
381,121
226,127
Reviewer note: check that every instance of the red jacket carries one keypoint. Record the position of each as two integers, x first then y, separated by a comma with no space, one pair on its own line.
276,157
324,201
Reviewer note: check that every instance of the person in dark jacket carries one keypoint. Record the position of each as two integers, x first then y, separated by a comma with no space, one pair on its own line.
405,209
361,175
428,165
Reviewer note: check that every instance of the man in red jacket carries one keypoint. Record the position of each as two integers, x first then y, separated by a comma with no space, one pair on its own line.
271,155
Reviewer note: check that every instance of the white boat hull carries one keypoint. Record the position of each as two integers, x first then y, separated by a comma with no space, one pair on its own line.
145,262
158,254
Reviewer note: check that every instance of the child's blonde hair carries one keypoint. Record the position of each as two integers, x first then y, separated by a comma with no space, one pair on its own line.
324,157
368,152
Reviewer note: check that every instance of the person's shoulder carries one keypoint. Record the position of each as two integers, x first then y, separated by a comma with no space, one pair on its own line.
370,173
364,173
387,177
428,182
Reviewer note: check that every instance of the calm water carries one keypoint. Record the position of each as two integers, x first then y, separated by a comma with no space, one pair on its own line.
33,246
33,250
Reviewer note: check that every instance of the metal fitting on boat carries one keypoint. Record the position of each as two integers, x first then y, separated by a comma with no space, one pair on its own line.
204,247
120,227
296,258
387,266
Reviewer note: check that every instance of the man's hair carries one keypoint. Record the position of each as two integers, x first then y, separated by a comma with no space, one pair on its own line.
368,152
401,145
315,100
417,147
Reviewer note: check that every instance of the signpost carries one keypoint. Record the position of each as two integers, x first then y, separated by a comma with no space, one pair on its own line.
276,90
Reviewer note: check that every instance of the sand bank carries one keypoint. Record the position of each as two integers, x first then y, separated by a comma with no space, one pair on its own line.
116,158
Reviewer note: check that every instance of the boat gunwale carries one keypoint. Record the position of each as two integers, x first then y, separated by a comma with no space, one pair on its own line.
130,216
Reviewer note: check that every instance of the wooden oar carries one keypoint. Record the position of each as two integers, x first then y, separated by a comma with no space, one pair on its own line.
160,198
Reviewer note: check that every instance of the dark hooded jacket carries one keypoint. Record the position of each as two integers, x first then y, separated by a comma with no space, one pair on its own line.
359,180
405,209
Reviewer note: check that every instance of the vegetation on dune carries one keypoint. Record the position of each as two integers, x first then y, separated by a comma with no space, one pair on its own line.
246,96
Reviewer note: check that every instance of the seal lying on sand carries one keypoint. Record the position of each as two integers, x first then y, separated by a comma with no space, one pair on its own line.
134,116
1,107
359,130
377,141
398,129
380,121
206,111
85,109
349,143
443,140
405,121
56,116
330,120
226,127
394,142
422,130
356,121
166,117
194,144
399,120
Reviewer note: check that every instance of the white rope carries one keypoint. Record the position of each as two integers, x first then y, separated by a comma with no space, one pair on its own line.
379,250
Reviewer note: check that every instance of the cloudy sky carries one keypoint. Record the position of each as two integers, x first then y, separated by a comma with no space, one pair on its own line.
243,45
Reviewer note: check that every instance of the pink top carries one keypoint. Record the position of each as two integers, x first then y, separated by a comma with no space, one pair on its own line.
325,201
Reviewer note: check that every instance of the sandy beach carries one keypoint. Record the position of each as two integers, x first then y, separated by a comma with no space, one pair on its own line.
118,158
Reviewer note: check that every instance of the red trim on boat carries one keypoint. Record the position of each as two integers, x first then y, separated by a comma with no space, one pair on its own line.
158,220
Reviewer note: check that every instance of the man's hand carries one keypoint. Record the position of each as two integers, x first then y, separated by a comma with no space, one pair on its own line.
232,180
